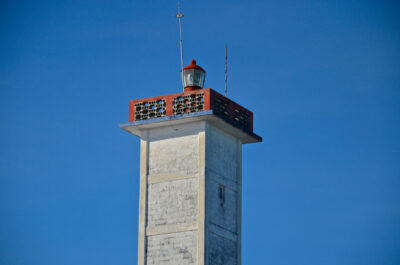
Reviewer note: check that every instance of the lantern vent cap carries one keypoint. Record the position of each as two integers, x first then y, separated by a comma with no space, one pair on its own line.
193,65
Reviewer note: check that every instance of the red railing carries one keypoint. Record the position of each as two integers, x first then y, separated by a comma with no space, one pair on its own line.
190,102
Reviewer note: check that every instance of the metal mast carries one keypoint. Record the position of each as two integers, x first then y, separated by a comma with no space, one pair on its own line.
179,15
226,70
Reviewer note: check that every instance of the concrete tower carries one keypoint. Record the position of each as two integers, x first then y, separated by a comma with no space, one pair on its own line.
190,174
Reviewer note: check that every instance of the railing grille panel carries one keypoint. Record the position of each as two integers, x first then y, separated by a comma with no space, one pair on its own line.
188,103
150,109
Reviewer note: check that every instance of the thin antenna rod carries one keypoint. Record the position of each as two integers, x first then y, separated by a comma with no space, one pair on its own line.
179,15
226,70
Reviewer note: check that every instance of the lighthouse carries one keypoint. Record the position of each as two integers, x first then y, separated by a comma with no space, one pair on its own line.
190,202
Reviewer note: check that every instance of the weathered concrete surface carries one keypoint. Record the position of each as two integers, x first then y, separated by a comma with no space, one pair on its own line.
173,155
221,153
177,249
222,214
190,196
223,198
172,202
221,251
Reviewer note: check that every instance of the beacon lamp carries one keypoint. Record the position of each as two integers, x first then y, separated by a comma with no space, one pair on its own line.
193,76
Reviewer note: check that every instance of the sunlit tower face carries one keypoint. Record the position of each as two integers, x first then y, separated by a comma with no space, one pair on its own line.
193,76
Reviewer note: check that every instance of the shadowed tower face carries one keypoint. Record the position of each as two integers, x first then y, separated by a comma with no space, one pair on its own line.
190,177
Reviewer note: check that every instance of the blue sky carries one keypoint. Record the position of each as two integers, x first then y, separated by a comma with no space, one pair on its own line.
322,78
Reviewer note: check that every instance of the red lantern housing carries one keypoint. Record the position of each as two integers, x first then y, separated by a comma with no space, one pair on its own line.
193,76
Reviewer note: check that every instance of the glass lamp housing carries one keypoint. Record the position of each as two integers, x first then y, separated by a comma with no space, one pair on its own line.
194,77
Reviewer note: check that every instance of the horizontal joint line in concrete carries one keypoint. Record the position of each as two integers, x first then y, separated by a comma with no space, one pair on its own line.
222,179
170,229
169,177
213,228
